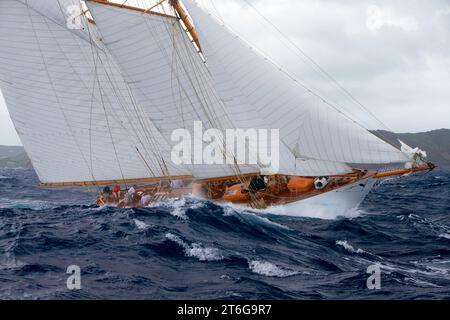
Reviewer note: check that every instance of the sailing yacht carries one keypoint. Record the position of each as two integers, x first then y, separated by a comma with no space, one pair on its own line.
96,89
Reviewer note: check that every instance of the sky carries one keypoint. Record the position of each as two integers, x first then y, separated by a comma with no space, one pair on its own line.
392,56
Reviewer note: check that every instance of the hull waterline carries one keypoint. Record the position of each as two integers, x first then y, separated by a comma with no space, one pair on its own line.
339,202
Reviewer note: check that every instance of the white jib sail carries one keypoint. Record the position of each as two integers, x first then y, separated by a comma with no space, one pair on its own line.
309,127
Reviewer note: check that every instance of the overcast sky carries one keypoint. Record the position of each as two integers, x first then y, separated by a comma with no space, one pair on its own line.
392,55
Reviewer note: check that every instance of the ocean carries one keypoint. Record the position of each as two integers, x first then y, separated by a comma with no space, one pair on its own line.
193,249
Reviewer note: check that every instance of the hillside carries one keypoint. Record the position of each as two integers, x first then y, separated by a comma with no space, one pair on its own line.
436,143
13,157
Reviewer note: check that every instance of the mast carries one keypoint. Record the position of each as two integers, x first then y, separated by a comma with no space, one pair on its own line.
187,22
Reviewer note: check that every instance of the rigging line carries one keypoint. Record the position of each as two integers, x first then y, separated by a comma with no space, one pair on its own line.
196,77
194,61
329,76
215,99
96,60
298,82
74,32
91,110
187,73
154,6
208,71
127,112
307,87
96,78
161,110
110,132
321,69
162,158
201,83
215,9
265,56
119,101
161,161
50,79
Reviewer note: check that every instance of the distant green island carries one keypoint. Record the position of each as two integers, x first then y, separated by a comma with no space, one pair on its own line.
13,157
436,143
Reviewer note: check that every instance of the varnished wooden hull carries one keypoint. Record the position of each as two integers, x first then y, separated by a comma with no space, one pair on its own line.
339,198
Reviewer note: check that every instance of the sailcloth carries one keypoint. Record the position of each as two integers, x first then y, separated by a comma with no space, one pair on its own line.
69,103
309,127
169,77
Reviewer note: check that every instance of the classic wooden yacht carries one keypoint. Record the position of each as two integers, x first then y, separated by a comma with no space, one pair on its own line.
96,89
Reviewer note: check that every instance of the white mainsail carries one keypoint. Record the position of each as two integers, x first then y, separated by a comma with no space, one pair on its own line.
71,108
309,127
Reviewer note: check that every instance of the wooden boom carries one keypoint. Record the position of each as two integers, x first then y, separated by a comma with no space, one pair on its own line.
113,182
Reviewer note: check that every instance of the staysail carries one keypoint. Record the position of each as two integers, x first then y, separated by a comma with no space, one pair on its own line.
309,127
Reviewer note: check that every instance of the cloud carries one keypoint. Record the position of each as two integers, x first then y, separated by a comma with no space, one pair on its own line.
378,17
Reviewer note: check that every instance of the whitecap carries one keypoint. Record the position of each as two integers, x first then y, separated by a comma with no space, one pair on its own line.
6,203
196,250
178,206
141,225
231,209
179,213
347,246
228,211
268,269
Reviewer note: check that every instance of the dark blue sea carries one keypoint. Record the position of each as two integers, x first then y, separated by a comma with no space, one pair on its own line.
190,249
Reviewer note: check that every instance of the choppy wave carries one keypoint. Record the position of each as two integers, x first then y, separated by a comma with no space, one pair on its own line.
188,248
6,203
197,250
349,247
268,269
